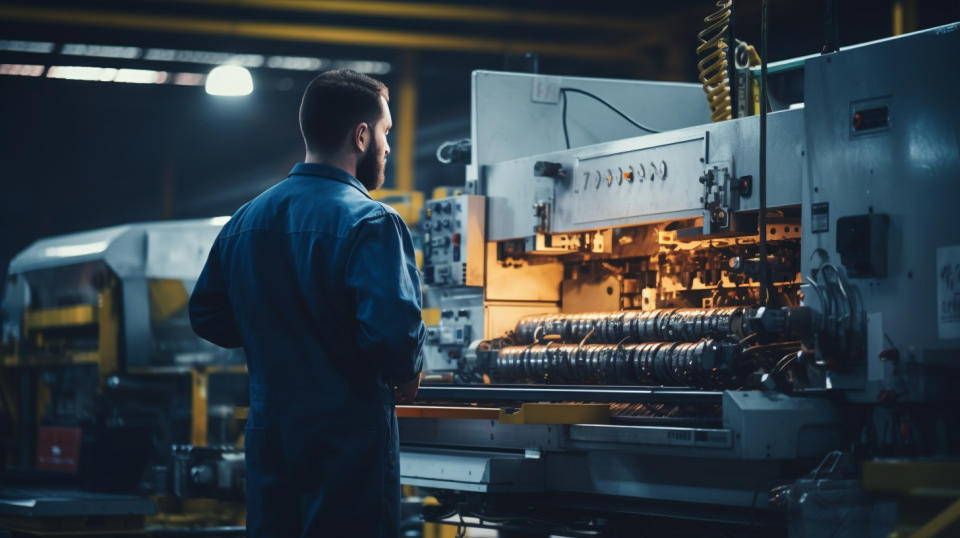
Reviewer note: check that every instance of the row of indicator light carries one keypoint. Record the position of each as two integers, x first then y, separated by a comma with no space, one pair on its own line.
639,173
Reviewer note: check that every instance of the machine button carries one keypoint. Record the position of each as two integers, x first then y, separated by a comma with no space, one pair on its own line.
641,172
609,177
547,169
662,169
599,179
628,175
620,176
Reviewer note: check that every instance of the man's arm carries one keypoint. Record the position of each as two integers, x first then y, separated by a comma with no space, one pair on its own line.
211,315
381,272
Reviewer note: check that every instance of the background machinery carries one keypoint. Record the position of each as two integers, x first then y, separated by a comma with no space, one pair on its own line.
109,397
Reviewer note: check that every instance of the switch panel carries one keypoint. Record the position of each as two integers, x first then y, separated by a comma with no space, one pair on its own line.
460,324
453,241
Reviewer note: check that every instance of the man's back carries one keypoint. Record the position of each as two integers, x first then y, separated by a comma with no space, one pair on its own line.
318,283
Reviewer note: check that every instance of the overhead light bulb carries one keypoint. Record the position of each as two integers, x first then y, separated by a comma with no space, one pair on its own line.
229,80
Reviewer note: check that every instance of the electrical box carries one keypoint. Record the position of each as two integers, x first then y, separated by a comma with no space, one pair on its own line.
453,241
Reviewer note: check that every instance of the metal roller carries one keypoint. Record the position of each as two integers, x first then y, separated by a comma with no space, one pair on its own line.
705,363
662,325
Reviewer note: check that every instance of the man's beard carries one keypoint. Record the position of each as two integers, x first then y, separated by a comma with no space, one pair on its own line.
369,170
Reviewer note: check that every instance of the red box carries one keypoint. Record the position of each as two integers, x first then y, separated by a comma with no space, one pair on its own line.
58,448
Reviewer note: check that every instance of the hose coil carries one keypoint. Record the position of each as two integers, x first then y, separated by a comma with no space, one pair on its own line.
712,66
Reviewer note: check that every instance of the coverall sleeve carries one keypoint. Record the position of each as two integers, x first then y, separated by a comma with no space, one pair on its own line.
382,275
211,315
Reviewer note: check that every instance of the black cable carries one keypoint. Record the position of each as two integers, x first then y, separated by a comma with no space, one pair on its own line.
631,121
762,217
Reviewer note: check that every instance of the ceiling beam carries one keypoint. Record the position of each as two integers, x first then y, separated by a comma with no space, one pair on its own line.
443,12
335,35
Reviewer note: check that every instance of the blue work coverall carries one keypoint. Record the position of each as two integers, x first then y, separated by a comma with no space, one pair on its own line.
318,283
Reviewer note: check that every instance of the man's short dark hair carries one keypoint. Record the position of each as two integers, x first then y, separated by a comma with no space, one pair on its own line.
333,103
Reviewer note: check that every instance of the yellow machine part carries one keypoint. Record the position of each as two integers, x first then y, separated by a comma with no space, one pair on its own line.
437,530
928,495
445,192
431,316
102,315
167,297
66,316
556,413
193,513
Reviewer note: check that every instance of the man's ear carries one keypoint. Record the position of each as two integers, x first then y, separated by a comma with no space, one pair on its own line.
362,136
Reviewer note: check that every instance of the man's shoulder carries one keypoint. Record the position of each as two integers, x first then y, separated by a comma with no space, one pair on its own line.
317,205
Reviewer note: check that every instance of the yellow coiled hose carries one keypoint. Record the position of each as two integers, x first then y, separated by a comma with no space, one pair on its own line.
712,52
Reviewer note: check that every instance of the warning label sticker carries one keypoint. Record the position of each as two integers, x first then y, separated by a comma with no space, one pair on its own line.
820,217
948,292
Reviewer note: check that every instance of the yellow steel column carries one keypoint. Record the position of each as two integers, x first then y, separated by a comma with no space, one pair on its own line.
198,415
904,16
406,123
108,330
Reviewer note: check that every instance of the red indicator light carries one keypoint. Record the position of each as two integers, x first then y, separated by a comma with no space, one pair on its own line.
857,120
456,239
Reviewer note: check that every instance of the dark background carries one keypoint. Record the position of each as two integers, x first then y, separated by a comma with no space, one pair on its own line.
77,155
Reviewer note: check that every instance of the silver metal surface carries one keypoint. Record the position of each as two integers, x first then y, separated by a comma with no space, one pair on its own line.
175,249
907,170
584,198
662,477
772,425
480,434
516,114
476,471
652,435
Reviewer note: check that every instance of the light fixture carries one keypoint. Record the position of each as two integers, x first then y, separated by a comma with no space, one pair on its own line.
229,80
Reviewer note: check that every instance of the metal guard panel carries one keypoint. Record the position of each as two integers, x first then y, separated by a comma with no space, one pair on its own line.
175,249
471,471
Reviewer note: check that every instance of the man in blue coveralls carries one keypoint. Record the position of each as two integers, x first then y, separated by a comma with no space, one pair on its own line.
319,285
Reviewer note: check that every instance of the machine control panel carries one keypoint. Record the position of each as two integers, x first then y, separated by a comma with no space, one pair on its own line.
453,241
615,183
460,323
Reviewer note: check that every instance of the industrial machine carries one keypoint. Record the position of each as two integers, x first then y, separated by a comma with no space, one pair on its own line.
113,408
647,332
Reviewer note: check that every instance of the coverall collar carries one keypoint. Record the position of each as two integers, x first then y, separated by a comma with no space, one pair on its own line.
329,172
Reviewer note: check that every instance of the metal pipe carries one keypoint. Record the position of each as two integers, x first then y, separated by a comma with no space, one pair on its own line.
762,217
